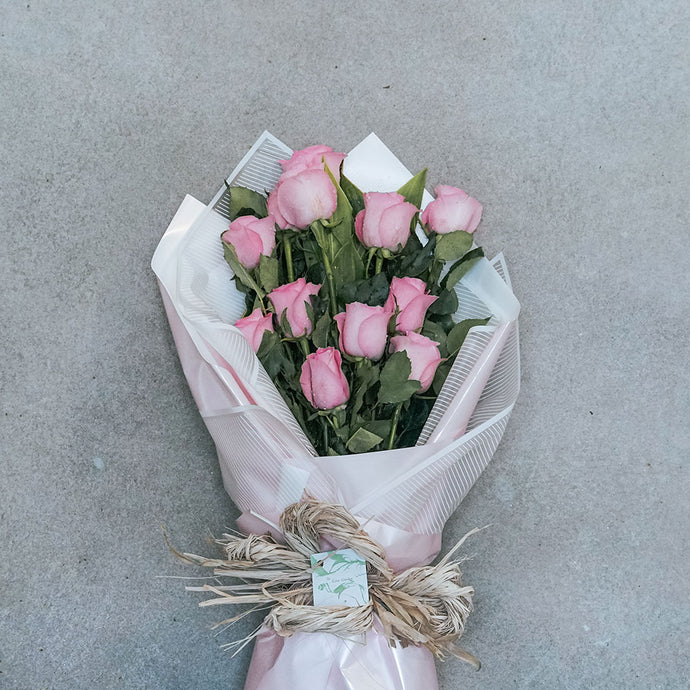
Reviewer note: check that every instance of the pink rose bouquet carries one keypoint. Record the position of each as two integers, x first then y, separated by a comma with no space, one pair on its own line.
339,272
350,349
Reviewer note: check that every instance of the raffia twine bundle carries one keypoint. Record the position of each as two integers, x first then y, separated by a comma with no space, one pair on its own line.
426,605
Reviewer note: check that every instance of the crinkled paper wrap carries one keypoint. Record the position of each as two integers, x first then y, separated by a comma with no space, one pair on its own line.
404,496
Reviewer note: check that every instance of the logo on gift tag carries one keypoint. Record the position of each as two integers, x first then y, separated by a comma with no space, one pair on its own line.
339,578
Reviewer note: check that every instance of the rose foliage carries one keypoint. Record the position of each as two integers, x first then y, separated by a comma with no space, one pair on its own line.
350,297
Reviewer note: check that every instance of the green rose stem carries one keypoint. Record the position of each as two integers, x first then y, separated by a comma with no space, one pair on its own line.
305,346
435,271
379,264
331,283
287,246
264,309
370,256
320,236
394,425
324,426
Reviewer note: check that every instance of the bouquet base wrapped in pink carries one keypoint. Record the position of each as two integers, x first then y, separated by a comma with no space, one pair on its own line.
403,496
339,664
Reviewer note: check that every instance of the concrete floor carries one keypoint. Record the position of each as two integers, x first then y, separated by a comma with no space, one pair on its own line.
569,121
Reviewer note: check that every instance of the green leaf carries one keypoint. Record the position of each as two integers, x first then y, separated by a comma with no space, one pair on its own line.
353,193
461,266
343,433
413,189
321,330
434,273
380,427
395,385
297,409
269,341
309,308
413,420
285,324
447,303
339,231
453,245
241,273
268,272
459,332
362,441
316,274
366,376
380,288
349,292
415,258
373,292
440,376
436,333
347,265
246,202
343,210
273,357
308,259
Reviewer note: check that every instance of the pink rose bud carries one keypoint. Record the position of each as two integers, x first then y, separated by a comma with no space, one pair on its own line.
423,353
292,299
385,220
254,326
452,210
363,330
410,297
300,199
251,237
313,158
322,379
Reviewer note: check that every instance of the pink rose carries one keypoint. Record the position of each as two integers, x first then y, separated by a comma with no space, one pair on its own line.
423,353
300,199
322,379
452,210
254,326
292,299
410,297
313,158
251,237
385,220
363,330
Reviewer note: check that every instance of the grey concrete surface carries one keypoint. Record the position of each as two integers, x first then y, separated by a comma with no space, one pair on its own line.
569,121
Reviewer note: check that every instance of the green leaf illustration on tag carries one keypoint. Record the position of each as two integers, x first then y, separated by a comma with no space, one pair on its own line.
339,578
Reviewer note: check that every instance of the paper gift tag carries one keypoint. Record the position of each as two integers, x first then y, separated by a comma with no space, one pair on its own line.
339,578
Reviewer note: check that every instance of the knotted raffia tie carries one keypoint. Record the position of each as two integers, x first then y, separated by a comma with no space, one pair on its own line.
425,605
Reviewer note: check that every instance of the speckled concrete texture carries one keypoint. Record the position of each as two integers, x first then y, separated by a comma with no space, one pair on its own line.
569,121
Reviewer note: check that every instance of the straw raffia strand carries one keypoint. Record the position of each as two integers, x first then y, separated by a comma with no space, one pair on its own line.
425,605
